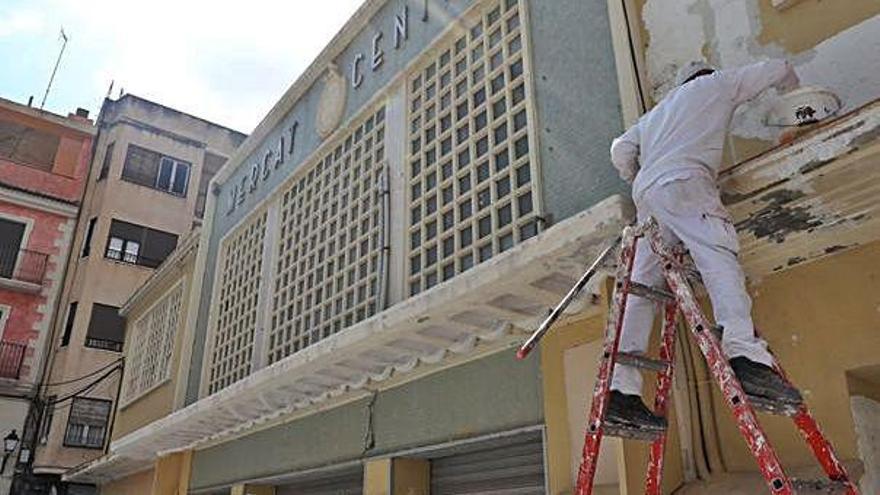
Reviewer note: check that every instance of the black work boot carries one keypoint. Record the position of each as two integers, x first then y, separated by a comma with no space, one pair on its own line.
629,411
760,380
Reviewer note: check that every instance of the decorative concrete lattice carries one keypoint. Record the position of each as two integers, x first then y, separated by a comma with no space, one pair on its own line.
236,304
328,252
470,187
152,343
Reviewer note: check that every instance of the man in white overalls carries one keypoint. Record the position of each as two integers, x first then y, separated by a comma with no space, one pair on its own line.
672,156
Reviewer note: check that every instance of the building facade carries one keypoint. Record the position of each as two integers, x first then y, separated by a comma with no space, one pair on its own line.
44,162
432,184
146,192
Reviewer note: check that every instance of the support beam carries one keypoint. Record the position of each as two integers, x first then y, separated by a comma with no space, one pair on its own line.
252,490
397,477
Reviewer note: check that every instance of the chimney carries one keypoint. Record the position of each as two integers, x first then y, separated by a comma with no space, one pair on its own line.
81,115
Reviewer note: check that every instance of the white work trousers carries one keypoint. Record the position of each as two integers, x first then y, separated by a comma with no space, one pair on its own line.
690,210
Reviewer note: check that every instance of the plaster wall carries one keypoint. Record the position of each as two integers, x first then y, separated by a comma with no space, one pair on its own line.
135,484
71,166
492,394
31,313
158,402
832,47
821,320
866,415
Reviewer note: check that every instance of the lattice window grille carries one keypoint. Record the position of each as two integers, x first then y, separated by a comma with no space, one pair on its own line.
148,359
328,253
236,304
471,192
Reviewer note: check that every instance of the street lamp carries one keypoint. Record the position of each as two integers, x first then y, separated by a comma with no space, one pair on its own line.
10,443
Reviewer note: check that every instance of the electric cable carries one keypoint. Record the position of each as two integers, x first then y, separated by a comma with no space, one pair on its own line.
87,388
83,377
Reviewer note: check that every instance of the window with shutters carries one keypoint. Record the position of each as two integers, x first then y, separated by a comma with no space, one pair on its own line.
328,268
236,303
106,328
11,236
470,191
131,243
87,423
148,357
155,170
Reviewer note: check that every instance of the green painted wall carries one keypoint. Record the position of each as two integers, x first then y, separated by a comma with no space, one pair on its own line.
496,393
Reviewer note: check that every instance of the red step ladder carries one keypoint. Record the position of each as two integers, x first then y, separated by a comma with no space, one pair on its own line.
680,298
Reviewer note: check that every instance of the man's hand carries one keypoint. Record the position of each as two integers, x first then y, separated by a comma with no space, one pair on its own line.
625,154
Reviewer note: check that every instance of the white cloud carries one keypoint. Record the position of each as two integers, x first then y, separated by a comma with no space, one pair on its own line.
20,22
221,60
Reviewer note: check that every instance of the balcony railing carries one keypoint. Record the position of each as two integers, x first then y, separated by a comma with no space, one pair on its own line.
11,359
22,264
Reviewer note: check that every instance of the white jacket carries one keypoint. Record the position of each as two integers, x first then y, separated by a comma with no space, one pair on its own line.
685,133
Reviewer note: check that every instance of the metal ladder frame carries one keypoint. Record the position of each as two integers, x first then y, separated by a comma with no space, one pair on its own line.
680,297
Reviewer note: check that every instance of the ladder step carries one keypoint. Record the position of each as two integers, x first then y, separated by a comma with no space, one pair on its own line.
810,487
631,432
652,293
642,362
773,407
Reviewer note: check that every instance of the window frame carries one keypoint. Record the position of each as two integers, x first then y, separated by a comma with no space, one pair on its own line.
66,442
23,242
105,163
87,240
129,250
68,323
101,343
154,179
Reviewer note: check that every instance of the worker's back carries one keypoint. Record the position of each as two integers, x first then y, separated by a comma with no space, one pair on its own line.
685,133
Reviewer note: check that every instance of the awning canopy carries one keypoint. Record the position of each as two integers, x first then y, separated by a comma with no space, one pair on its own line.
482,310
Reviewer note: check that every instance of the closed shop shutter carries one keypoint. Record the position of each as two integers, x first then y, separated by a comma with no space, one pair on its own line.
511,467
347,481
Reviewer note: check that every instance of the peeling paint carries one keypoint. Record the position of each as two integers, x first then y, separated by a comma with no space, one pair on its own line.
728,34
776,220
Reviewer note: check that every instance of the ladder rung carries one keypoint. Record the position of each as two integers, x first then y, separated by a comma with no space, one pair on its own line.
805,487
631,432
651,293
773,407
642,362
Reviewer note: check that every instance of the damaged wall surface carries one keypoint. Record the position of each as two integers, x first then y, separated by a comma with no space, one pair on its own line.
831,47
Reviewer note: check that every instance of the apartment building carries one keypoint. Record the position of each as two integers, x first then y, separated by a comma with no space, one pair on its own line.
428,188
44,162
145,193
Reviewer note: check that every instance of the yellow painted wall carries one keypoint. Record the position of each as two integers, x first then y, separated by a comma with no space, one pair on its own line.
136,484
569,356
821,319
817,20
159,402
377,477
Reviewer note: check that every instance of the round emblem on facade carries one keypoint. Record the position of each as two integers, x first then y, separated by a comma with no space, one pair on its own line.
332,103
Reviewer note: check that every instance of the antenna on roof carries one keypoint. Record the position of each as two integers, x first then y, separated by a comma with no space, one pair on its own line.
110,89
64,38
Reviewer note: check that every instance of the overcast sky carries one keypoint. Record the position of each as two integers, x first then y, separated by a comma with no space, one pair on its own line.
225,61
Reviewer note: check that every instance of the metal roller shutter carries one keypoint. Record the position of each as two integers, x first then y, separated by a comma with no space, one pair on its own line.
514,466
348,481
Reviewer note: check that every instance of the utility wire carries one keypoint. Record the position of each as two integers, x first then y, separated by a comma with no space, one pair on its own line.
87,388
80,378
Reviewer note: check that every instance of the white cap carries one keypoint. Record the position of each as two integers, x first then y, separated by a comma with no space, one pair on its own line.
690,69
